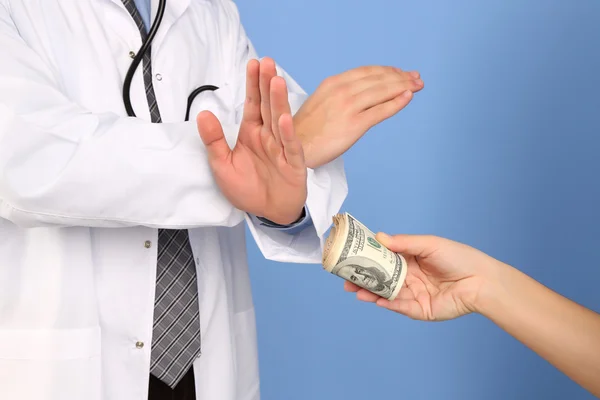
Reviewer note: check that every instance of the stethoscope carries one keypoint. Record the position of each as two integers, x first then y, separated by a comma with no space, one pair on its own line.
138,59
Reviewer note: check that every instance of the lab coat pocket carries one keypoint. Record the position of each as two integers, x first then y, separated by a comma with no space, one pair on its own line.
50,364
220,102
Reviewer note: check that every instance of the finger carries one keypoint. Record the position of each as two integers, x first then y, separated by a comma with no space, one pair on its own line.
415,74
351,287
414,245
412,74
279,104
212,136
267,72
365,295
383,92
292,147
383,80
409,308
374,115
252,106
368,70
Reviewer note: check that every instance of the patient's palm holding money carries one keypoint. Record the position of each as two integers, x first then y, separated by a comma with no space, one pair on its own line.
443,278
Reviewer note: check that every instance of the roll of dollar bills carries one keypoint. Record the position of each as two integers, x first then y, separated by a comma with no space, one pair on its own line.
353,253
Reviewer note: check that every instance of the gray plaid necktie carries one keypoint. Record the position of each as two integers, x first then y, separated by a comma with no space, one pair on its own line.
176,331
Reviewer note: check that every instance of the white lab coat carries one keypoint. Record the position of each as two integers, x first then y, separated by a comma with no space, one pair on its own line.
84,189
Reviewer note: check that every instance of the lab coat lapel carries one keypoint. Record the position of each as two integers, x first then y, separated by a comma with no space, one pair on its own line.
117,2
174,10
119,20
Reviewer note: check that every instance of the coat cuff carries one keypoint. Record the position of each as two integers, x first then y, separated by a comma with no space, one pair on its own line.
302,223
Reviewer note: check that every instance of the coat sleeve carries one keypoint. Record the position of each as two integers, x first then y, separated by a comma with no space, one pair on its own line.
62,165
327,186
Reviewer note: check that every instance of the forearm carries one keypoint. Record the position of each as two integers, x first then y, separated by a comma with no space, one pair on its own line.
561,331
107,171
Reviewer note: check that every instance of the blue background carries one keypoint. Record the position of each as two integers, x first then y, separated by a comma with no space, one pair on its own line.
499,151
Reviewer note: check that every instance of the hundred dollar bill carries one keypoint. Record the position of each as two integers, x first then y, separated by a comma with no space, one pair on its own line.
353,253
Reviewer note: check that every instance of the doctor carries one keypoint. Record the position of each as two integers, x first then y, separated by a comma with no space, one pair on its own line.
123,270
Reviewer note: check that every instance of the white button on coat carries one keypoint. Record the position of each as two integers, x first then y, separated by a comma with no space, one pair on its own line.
77,291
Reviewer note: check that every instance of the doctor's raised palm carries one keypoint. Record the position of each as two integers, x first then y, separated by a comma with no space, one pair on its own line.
265,173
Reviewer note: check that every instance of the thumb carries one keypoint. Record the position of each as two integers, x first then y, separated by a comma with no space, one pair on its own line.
414,245
212,135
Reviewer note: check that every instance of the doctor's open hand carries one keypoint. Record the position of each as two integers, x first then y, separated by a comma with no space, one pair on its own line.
265,173
345,106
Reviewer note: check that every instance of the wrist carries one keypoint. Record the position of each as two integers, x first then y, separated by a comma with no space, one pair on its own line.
309,160
307,146
494,289
283,221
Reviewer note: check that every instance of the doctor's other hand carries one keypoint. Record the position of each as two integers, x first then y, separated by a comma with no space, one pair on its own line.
265,173
443,281
345,106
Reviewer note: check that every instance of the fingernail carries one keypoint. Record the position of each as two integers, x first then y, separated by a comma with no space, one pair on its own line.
419,82
407,94
415,74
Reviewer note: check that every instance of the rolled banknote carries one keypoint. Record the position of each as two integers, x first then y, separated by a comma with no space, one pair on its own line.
353,253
